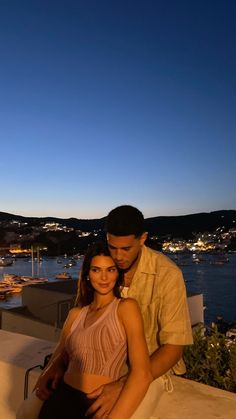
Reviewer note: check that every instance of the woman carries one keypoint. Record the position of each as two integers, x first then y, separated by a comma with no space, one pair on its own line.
99,334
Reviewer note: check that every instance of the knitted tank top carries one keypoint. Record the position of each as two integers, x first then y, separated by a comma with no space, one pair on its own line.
100,348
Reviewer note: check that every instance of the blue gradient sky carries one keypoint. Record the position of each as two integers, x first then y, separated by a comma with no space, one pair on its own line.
111,102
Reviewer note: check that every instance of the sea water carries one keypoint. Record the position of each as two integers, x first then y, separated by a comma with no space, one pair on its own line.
217,283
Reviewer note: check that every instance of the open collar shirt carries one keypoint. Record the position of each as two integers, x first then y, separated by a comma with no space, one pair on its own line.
159,288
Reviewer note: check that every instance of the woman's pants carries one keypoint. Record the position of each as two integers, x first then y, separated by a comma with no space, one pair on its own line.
65,403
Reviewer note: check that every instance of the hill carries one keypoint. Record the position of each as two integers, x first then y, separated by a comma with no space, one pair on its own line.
84,224
185,225
174,226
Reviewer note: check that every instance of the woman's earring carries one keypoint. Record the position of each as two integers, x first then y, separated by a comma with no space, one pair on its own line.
87,278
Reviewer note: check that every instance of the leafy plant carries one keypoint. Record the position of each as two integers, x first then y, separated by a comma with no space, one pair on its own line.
212,359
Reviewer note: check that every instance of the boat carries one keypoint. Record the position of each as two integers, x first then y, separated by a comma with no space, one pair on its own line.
7,277
14,290
31,280
70,264
11,279
220,260
13,284
196,260
63,275
7,290
78,256
5,261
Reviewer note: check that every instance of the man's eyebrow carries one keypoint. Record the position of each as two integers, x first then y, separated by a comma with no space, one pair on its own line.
122,247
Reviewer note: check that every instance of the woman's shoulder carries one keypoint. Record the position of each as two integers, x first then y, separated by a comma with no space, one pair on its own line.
72,315
74,311
129,314
128,305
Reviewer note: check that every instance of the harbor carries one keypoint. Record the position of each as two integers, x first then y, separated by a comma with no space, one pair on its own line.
24,271
216,281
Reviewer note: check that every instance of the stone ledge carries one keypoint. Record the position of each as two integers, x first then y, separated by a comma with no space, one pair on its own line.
189,400
192,400
17,354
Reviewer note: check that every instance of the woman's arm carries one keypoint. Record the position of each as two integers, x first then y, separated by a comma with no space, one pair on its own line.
140,376
54,371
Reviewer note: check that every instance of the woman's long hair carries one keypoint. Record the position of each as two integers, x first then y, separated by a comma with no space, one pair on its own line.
85,292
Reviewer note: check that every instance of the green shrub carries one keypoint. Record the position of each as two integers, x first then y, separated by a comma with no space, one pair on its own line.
212,360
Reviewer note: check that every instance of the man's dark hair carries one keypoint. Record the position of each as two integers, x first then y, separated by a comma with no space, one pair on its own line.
124,221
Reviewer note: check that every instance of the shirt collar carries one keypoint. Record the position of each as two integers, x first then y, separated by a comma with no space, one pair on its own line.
146,263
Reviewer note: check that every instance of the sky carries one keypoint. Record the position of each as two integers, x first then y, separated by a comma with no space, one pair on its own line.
111,102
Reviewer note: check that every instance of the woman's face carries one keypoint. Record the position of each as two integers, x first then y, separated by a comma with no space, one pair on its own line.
103,274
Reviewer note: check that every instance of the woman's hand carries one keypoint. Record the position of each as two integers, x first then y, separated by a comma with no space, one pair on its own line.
48,381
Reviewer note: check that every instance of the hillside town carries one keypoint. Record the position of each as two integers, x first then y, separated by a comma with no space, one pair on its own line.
17,238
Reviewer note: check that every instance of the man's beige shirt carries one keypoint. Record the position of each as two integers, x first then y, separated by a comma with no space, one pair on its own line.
159,288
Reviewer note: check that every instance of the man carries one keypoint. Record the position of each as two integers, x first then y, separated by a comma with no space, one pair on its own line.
158,286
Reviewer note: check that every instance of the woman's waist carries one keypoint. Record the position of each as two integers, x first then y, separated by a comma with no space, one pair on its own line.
86,382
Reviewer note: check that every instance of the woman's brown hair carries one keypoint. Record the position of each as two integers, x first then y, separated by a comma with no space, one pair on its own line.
85,293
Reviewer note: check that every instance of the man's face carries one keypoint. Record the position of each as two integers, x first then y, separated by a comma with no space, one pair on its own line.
125,249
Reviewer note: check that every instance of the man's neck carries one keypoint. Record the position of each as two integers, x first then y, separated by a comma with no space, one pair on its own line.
129,273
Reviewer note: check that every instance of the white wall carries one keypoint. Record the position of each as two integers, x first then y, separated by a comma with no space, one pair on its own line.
17,354
196,309
15,322
42,303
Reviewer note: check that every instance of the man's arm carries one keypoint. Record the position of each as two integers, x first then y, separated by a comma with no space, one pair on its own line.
162,360
165,358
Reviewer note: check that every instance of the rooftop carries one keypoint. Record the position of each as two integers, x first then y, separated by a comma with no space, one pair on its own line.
69,286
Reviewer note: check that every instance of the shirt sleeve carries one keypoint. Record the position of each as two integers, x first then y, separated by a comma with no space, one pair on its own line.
173,317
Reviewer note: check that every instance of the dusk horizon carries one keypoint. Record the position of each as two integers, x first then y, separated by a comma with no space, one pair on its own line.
104,216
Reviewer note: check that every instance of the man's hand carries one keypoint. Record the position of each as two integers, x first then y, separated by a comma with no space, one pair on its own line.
48,381
106,397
